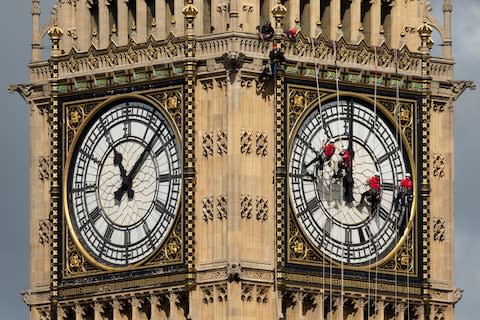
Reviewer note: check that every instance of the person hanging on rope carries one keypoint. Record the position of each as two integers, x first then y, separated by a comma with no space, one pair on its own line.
344,164
324,155
276,57
374,193
266,31
404,192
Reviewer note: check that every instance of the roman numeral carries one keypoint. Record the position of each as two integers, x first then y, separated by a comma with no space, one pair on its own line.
383,213
388,186
108,233
94,215
387,155
327,227
167,177
313,205
126,239
348,236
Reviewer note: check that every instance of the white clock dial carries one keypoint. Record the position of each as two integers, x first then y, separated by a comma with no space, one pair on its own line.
124,182
345,230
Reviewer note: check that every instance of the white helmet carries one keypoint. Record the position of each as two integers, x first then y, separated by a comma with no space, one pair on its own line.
377,173
407,175
331,141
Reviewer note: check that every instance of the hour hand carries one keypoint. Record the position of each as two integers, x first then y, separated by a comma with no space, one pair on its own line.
117,161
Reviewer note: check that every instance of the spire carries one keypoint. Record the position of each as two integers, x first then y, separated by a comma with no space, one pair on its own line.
36,32
447,17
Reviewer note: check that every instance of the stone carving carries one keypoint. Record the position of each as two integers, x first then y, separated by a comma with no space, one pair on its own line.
438,165
222,142
246,206
438,229
262,143
207,294
246,141
262,209
43,312
222,207
262,294
44,231
221,290
247,292
207,84
457,295
207,208
207,144
43,169
439,106
438,312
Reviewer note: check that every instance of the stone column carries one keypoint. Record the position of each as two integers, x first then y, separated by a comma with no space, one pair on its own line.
395,26
334,20
79,312
97,311
36,32
293,13
359,305
117,306
84,26
122,22
374,23
234,16
103,24
400,308
314,18
355,13
179,19
447,17
141,21
160,32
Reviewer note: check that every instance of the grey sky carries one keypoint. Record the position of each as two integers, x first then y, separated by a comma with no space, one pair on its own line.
15,29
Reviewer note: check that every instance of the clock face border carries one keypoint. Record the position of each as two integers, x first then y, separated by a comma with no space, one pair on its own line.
100,107
409,158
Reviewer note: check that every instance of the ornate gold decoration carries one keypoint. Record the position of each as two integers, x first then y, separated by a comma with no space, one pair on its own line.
75,260
171,251
262,144
43,169
438,165
207,144
438,229
246,204
44,226
298,100
246,141
172,101
262,209
222,207
207,208
222,142
76,115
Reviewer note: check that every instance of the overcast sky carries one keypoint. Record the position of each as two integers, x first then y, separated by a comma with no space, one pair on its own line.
15,26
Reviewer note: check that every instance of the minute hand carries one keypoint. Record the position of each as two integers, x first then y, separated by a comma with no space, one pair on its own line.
136,167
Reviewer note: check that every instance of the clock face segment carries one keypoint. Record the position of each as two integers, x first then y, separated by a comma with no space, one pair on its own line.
347,232
124,183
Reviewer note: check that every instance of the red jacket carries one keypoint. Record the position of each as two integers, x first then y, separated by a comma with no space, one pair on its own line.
329,150
346,158
406,184
374,183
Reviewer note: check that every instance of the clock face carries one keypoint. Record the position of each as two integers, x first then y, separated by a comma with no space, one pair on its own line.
124,182
341,227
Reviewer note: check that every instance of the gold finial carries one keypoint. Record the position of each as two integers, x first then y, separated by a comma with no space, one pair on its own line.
279,11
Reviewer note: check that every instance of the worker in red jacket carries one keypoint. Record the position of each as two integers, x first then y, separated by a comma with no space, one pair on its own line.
344,164
323,156
374,193
404,192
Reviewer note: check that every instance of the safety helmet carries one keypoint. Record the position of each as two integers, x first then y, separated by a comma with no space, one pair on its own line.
407,175
331,141
343,147
377,173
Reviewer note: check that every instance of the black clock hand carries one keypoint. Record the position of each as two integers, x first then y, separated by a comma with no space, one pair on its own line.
117,161
348,179
127,182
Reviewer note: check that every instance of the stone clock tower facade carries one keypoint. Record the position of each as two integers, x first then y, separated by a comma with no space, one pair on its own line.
178,165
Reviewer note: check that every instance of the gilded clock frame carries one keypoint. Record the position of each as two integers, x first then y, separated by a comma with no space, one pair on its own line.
77,262
299,108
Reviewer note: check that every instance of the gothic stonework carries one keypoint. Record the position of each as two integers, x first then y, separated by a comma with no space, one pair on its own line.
43,169
438,165
207,144
262,209
261,144
44,226
222,207
222,142
246,141
246,203
207,208
439,229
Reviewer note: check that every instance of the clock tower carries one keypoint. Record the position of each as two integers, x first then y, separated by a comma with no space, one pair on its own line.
207,159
